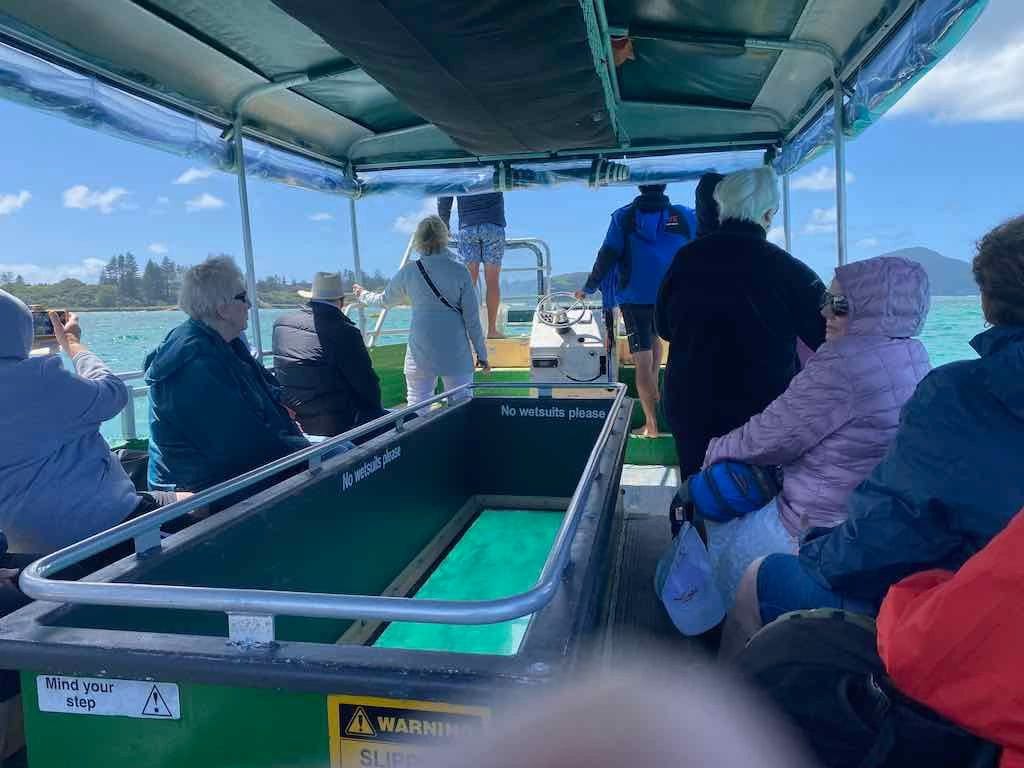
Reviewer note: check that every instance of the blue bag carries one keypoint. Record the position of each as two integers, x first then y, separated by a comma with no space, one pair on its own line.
729,489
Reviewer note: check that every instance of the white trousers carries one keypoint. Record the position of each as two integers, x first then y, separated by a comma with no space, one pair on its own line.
420,383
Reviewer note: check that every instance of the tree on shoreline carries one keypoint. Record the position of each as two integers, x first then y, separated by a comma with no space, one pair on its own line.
121,286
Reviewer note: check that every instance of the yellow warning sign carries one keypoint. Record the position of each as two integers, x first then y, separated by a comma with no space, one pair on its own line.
368,732
359,725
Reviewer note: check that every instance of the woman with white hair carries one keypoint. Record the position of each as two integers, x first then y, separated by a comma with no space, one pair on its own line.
732,306
445,314
214,412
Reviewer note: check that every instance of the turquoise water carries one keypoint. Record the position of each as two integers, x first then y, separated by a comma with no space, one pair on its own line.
122,339
510,546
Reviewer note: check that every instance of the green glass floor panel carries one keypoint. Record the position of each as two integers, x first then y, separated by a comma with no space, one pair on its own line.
501,554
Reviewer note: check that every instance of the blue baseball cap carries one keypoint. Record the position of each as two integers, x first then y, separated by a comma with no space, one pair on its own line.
685,585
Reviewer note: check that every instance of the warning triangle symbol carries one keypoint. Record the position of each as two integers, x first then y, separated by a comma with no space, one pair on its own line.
155,704
359,725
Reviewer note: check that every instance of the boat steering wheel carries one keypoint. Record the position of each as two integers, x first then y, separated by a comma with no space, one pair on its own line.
552,310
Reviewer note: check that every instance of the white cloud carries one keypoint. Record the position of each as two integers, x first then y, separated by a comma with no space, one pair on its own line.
777,235
204,202
821,180
321,216
87,270
822,220
11,203
406,223
157,248
973,84
868,242
80,196
163,200
194,174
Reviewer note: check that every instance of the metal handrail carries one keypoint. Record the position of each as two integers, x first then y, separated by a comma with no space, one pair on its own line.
128,426
251,612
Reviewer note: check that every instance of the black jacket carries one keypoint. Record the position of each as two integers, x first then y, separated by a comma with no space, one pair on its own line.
731,306
325,370
951,481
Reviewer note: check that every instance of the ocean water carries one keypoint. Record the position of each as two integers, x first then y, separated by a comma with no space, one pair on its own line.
123,339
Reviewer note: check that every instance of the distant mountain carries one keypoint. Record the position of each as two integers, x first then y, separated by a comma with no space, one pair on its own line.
948,277
521,286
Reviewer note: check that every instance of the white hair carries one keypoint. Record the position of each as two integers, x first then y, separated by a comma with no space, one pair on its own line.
208,285
748,195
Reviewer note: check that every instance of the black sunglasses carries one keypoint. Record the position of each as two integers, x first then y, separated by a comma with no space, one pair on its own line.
243,296
836,302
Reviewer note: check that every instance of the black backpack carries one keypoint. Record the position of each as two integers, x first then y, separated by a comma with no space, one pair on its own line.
822,670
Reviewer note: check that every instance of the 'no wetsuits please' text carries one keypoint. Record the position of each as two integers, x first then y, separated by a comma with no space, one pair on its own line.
553,412
370,467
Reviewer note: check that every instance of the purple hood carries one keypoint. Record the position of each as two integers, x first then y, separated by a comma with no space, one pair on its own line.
888,295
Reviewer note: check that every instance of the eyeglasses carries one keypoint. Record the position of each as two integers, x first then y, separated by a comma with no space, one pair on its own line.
836,302
243,296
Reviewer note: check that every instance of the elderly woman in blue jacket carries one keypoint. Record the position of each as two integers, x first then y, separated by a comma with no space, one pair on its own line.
214,411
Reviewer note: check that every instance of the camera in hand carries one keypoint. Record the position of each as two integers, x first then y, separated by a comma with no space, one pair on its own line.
42,327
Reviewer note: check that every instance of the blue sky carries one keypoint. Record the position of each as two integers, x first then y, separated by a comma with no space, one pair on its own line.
940,170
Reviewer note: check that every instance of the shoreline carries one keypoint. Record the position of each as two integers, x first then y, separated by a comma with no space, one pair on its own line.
172,308
298,305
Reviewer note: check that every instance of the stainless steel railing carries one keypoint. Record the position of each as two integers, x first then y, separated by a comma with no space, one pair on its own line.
251,612
129,428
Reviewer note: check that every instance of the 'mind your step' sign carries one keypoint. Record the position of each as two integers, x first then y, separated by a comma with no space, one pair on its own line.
105,696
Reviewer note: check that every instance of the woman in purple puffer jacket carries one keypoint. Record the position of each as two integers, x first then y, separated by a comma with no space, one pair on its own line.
836,419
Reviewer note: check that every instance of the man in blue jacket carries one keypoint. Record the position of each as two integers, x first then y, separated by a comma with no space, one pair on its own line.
643,238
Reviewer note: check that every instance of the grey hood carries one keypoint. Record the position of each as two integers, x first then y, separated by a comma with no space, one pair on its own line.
888,295
15,328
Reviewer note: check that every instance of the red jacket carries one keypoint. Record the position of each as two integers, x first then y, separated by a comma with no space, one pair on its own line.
952,641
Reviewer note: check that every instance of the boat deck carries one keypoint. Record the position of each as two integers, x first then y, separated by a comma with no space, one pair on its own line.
636,622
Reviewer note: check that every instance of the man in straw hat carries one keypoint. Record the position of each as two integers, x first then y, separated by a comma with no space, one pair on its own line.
323,365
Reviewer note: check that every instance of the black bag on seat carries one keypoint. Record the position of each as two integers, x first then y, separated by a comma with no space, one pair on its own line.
822,670
136,465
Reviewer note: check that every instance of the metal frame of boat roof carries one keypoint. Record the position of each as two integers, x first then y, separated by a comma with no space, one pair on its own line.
314,94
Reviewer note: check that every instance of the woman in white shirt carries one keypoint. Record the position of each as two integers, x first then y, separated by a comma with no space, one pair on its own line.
445,314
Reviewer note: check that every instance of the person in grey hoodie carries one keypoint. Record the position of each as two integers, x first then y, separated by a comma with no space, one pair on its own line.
59,482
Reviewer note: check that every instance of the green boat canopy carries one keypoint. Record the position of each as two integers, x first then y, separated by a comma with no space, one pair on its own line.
366,85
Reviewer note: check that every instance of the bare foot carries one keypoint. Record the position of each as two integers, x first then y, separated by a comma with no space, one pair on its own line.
495,335
646,431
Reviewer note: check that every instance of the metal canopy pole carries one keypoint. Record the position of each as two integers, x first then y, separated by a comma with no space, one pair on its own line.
356,261
250,264
840,150
242,102
787,221
243,199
